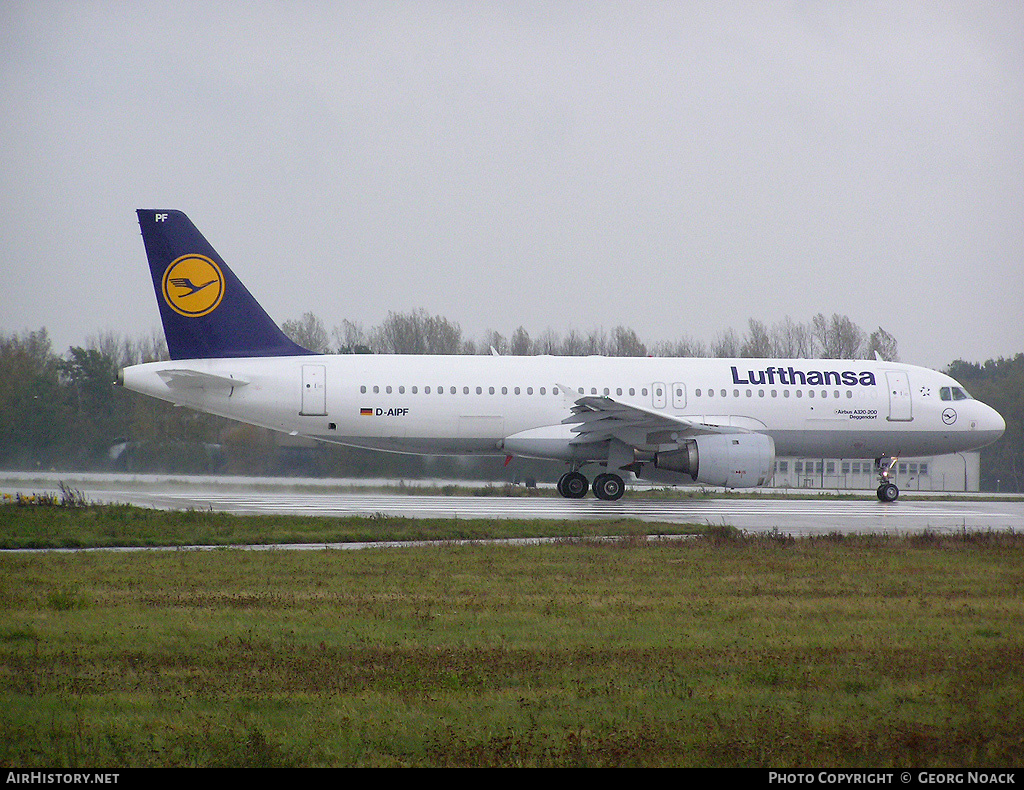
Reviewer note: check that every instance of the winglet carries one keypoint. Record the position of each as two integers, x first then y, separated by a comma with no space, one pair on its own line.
206,311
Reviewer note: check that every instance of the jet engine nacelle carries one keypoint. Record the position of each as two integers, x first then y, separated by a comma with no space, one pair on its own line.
733,460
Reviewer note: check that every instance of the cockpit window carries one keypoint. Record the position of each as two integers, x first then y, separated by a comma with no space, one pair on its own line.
953,393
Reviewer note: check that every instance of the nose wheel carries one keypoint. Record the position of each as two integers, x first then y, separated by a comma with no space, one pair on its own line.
887,490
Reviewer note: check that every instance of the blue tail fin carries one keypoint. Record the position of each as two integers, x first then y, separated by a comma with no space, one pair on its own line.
205,309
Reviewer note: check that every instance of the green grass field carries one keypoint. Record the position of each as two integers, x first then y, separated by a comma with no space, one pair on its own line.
723,650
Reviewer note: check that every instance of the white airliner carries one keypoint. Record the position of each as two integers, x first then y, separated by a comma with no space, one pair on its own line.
674,421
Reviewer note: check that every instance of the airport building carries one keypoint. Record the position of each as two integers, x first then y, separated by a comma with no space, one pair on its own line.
955,472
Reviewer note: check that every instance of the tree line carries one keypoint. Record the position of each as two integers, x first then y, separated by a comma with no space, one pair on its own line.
62,412
418,332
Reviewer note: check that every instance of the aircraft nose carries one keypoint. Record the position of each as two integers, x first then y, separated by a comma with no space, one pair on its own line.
991,425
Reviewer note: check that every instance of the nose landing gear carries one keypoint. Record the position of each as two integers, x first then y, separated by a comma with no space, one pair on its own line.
887,490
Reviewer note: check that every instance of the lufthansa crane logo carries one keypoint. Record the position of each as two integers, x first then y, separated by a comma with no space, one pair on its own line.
193,285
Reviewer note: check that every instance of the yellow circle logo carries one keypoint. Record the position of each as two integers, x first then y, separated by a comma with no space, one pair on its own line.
193,285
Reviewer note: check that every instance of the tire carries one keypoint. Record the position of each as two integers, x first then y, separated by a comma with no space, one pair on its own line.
574,485
887,492
609,487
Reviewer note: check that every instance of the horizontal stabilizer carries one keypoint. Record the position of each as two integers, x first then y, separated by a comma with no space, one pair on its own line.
197,380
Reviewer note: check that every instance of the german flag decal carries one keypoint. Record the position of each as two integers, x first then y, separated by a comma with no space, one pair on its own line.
366,412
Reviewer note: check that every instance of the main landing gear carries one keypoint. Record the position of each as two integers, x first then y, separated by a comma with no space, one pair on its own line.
573,485
887,490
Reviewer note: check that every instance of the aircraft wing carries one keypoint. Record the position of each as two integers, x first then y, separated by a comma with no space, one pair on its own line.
183,379
599,418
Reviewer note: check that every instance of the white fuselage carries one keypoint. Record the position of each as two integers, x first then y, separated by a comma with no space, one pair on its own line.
481,404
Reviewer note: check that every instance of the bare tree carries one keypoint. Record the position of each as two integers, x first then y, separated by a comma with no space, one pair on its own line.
520,344
625,343
791,340
349,338
572,345
727,344
683,347
884,344
417,333
838,337
547,343
758,342
596,343
497,341
308,332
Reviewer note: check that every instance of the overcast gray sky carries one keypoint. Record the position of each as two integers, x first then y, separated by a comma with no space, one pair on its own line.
676,168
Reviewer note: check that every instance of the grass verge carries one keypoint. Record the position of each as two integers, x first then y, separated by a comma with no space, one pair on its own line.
728,650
